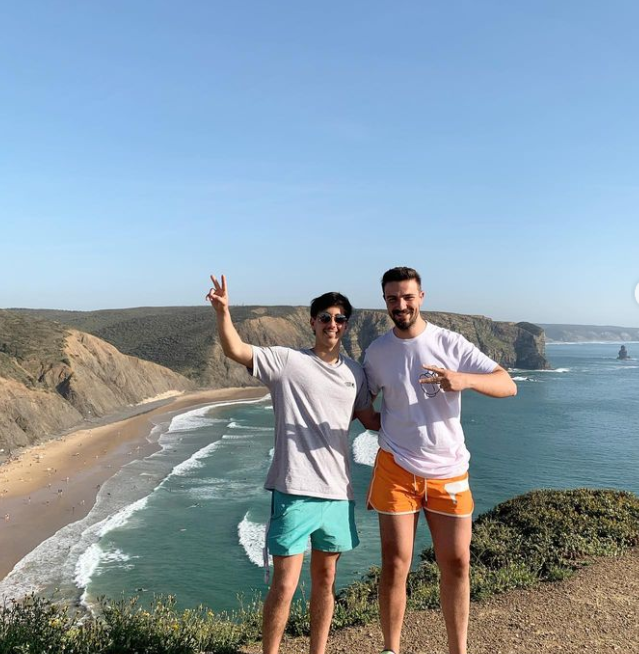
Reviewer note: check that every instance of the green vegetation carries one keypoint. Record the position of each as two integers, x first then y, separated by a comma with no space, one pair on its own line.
28,347
540,536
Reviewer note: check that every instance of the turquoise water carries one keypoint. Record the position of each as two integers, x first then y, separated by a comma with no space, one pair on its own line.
189,520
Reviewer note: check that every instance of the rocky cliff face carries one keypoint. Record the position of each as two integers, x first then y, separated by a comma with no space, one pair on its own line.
512,345
53,378
184,339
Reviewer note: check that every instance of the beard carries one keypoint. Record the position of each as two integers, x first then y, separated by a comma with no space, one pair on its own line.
404,320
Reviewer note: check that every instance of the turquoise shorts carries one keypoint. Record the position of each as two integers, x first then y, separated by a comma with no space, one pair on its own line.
329,523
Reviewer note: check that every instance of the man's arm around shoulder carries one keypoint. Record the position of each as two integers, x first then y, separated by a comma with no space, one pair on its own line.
369,417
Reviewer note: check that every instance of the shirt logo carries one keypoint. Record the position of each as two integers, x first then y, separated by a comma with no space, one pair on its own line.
429,390
350,384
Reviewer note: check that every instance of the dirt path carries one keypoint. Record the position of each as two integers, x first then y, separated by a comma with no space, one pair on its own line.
596,611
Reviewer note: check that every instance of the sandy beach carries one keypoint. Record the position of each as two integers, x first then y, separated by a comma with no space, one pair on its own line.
55,483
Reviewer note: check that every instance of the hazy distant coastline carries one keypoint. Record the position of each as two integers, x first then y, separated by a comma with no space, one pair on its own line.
564,333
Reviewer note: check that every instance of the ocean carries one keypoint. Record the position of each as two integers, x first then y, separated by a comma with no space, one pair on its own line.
189,520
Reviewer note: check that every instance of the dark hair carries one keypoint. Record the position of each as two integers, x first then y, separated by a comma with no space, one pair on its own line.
328,300
401,274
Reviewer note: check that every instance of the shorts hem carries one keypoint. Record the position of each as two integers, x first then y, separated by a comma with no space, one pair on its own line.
450,515
318,549
272,553
374,508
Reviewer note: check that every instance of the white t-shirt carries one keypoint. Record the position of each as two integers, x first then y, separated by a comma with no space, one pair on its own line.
421,424
313,403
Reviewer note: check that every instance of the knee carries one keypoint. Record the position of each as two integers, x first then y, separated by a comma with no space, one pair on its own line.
283,587
323,579
455,565
395,565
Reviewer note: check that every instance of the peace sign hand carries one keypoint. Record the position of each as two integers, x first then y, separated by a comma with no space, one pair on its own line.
448,380
218,296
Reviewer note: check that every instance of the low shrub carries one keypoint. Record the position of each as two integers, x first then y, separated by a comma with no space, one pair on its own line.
541,536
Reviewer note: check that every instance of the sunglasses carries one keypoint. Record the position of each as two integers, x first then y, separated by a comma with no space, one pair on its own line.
340,318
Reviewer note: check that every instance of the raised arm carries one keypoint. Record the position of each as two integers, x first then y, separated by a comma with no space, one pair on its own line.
232,345
494,384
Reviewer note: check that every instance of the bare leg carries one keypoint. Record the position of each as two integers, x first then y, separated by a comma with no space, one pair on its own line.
397,535
451,540
286,575
323,568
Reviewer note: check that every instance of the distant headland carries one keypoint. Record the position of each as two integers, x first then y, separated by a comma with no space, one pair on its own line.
561,333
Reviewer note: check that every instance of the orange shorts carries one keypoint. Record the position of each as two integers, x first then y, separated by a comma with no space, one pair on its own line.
394,490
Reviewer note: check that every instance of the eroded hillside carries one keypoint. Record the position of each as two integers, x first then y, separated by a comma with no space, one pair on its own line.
52,378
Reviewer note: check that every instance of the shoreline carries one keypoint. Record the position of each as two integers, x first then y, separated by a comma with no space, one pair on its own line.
55,483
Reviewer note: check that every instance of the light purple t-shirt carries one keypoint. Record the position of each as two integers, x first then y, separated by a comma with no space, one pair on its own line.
313,403
421,424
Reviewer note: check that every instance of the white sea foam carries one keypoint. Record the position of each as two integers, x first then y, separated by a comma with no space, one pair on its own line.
87,564
251,428
365,448
56,558
271,453
117,556
194,419
197,418
560,370
90,561
120,518
192,463
68,557
69,554
520,378
224,488
252,536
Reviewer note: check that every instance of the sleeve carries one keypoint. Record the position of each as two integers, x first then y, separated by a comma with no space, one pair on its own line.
472,359
269,363
369,369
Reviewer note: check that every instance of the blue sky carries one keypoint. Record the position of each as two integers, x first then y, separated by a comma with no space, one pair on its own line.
303,147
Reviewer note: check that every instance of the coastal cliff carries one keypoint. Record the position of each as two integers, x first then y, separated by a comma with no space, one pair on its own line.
59,369
53,378
184,339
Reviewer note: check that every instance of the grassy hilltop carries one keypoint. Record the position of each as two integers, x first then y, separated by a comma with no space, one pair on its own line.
542,536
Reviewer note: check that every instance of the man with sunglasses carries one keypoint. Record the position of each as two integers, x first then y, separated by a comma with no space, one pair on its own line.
315,394
422,464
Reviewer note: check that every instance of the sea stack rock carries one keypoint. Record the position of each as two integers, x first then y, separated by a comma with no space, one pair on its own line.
623,353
